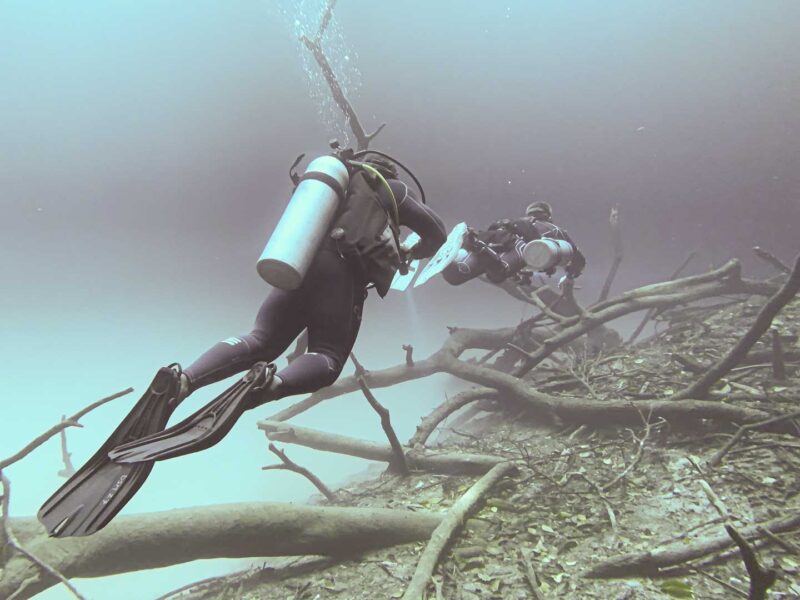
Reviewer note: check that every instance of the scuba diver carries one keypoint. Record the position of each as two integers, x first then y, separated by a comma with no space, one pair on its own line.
338,236
515,249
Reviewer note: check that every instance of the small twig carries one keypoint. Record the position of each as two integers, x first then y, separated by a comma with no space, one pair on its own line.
290,465
11,540
687,363
70,422
399,463
300,347
772,260
786,545
66,455
530,575
723,583
637,457
616,240
717,458
761,579
409,349
326,19
778,360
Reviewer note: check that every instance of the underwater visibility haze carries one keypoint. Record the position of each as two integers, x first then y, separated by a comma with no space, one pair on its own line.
147,147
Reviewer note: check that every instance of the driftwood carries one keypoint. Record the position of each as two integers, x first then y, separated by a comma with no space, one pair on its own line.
701,387
399,462
449,463
153,540
288,464
652,562
616,242
66,456
445,531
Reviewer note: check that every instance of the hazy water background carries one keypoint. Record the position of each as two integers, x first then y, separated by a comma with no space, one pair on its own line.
144,155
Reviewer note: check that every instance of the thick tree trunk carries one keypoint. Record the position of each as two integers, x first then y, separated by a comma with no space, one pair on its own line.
162,539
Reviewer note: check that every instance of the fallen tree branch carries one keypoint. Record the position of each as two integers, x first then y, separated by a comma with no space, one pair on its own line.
55,429
10,542
429,424
616,242
650,563
651,313
399,462
153,540
761,579
445,531
778,361
449,463
717,458
290,465
701,387
776,263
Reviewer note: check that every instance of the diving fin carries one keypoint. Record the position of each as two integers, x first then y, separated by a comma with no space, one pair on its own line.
204,428
98,491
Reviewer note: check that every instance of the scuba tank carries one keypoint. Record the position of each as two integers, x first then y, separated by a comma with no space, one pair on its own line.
304,223
318,205
546,253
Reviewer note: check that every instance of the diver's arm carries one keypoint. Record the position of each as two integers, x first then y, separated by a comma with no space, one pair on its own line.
422,220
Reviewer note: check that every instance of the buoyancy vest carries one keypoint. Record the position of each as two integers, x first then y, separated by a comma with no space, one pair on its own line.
368,220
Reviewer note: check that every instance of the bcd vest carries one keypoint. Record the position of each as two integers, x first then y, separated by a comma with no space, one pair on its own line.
367,219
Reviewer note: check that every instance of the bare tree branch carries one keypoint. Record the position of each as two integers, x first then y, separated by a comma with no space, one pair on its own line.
776,263
444,533
701,387
72,421
290,465
616,241
651,313
399,463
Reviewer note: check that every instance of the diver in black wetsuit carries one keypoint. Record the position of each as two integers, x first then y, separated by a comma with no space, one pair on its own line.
328,304
497,251
360,248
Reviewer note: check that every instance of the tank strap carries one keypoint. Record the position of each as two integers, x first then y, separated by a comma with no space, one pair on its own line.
326,179
393,211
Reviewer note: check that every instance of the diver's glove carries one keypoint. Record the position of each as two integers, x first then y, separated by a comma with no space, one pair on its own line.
566,280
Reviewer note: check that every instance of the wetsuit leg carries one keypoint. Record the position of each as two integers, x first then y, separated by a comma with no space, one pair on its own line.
335,297
280,320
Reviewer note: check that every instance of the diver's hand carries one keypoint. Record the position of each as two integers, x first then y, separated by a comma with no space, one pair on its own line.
566,282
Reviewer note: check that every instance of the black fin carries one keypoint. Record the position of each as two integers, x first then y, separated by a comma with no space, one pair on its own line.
201,430
98,491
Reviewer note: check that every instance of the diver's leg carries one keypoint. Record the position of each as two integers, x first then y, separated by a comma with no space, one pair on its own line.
279,321
335,300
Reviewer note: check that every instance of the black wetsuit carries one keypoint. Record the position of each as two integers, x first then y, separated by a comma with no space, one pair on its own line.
328,303
507,238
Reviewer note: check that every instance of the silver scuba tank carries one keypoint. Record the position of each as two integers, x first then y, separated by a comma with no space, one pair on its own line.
546,253
303,225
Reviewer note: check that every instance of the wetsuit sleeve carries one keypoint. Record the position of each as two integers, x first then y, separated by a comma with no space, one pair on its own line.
420,219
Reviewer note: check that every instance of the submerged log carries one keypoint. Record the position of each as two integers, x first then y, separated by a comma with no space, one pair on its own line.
154,540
